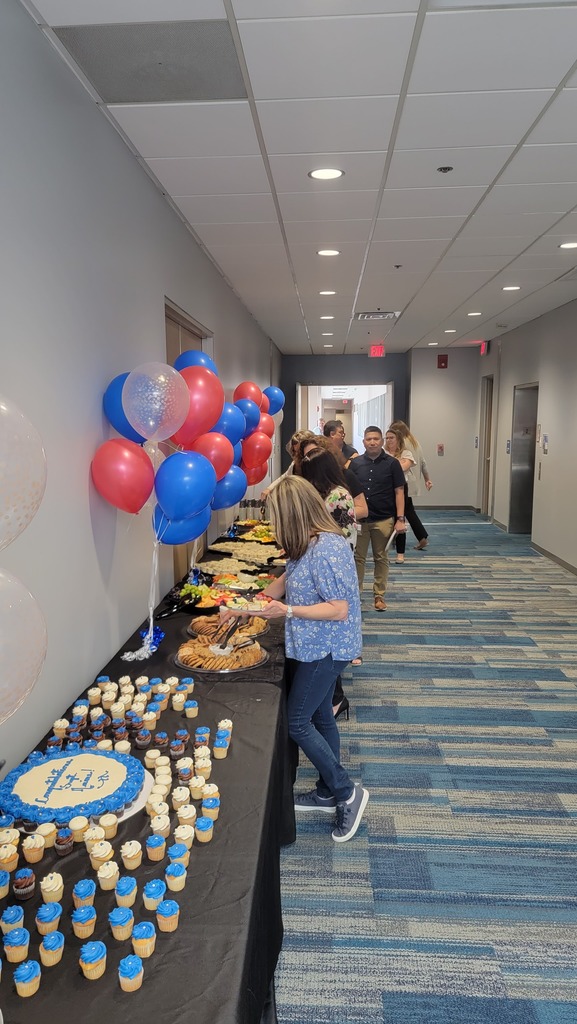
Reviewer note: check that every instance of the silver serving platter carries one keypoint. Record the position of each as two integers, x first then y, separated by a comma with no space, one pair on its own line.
252,636
221,671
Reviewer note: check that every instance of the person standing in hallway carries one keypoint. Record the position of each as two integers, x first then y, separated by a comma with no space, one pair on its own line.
413,482
394,446
383,482
334,430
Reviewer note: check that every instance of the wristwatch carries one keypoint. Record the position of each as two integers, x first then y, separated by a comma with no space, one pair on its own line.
400,519
289,611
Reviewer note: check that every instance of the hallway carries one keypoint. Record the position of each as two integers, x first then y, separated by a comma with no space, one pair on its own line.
457,901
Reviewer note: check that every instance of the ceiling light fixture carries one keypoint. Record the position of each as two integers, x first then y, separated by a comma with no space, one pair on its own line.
327,334
326,174
327,293
512,288
327,346
474,314
432,344
327,317
328,252
568,245
451,330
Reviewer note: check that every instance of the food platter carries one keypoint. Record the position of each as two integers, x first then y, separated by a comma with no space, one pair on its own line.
223,671
261,632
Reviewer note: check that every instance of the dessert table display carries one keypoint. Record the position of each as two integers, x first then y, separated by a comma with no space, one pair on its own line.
174,911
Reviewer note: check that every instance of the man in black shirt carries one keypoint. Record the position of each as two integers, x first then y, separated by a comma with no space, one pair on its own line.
335,431
383,482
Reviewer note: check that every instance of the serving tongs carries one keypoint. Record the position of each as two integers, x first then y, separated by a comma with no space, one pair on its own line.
222,647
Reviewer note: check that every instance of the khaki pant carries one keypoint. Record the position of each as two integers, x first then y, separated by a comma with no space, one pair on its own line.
378,533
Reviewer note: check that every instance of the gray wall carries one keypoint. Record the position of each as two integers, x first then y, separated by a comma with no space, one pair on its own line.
89,252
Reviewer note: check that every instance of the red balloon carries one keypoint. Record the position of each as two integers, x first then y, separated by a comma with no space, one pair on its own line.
265,403
254,474
266,424
248,390
123,474
206,404
217,449
256,449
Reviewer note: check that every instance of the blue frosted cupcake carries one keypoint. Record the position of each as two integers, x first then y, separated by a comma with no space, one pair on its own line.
48,918
130,973
178,854
211,807
144,938
12,917
6,821
121,921
51,949
191,708
24,884
93,960
153,893
83,892
167,915
175,876
125,892
4,883
27,978
203,829
155,847
83,922
16,944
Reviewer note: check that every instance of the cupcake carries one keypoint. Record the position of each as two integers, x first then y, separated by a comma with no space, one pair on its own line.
6,821
185,762
204,768
121,921
8,857
223,734
201,752
4,884
191,708
144,938
150,758
155,683
175,876
210,789
176,749
203,829
48,917
51,949
220,749
47,830
92,836
131,854
52,888
188,681
101,853
104,745
79,826
155,847
225,723
161,741
53,743
122,747
178,701
184,834
83,922
108,875
180,796
33,848
142,739
13,917
94,695
195,786
211,807
184,776
186,814
124,681
24,884
153,893
93,960
27,978
83,892
60,726
109,822
163,762
160,825
64,842
201,734
130,973
149,722
178,854
167,914
159,807
125,892
16,944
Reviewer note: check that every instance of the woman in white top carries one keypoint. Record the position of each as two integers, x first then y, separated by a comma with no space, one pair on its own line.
414,474
394,446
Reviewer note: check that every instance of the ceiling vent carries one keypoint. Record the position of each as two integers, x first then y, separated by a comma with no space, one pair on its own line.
377,315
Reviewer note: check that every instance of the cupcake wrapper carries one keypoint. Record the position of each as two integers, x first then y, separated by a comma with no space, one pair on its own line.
49,841
219,752
87,902
203,837
122,933
156,852
195,793
110,832
53,897
191,712
167,924
33,856
126,901
94,971
176,885
106,884
28,988
131,984
16,954
63,851
10,865
131,863
24,894
144,947
45,927
84,931
50,957
151,904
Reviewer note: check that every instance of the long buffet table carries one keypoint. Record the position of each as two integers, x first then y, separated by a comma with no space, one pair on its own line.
218,967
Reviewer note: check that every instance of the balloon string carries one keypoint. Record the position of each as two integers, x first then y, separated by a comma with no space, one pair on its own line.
152,590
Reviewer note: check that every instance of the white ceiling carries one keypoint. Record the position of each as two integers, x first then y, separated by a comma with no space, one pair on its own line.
388,91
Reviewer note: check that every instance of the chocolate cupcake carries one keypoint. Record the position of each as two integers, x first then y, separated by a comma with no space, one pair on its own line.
176,749
54,743
161,740
183,735
143,739
24,884
64,842
120,734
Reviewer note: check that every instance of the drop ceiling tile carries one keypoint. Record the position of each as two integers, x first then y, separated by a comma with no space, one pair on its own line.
227,209
326,49
344,125
310,8
554,261
559,124
489,245
458,264
113,12
183,176
188,129
251,232
542,163
387,291
327,206
314,231
243,263
408,228
468,119
566,226
466,50
484,222
362,171
412,255
328,271
418,168
508,199
422,202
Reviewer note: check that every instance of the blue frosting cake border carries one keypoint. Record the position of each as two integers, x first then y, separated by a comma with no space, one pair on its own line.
125,794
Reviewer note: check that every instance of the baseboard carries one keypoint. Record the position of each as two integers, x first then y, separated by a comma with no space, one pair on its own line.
559,561
501,526
447,508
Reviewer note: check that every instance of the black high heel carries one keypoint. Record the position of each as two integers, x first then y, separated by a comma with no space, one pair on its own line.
343,708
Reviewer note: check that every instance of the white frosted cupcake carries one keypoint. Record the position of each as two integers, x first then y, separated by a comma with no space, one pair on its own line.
160,825
131,854
210,789
149,722
124,680
8,857
178,701
109,822
79,825
160,807
60,726
117,710
101,853
185,834
184,762
172,682
92,836
180,797
104,745
33,848
151,756
52,887
9,835
186,814
48,832
195,786
163,762
108,875
94,695
201,752
204,767
122,747
225,723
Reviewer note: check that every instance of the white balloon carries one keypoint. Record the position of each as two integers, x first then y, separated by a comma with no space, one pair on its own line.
155,400
22,471
278,418
23,641
157,457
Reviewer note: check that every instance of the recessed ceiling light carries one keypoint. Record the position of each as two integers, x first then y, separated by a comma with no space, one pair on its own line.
327,334
474,314
568,245
327,318
328,252
451,330
512,288
326,174
432,344
327,293
327,346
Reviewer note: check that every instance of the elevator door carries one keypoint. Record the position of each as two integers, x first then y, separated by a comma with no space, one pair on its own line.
523,441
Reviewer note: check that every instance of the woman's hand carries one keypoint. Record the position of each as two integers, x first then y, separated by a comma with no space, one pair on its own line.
428,484
226,614
272,610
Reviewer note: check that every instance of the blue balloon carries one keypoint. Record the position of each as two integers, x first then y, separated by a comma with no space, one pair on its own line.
184,484
112,404
195,358
179,531
230,489
231,423
276,399
237,454
251,413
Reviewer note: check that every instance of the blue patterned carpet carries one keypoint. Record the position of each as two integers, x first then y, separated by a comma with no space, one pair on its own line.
456,903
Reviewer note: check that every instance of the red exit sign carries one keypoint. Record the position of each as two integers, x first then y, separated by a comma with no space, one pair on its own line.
376,351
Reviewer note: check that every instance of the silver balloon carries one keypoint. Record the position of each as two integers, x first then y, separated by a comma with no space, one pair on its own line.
155,400
22,471
23,641
278,418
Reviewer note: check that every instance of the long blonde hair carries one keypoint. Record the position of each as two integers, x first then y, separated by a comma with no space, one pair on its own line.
404,430
298,514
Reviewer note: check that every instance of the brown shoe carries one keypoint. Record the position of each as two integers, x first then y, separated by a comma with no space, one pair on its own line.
380,605
422,544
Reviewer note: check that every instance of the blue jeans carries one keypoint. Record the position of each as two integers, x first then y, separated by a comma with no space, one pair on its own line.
312,724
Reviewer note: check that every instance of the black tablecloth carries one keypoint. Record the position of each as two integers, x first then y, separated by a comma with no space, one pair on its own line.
217,968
